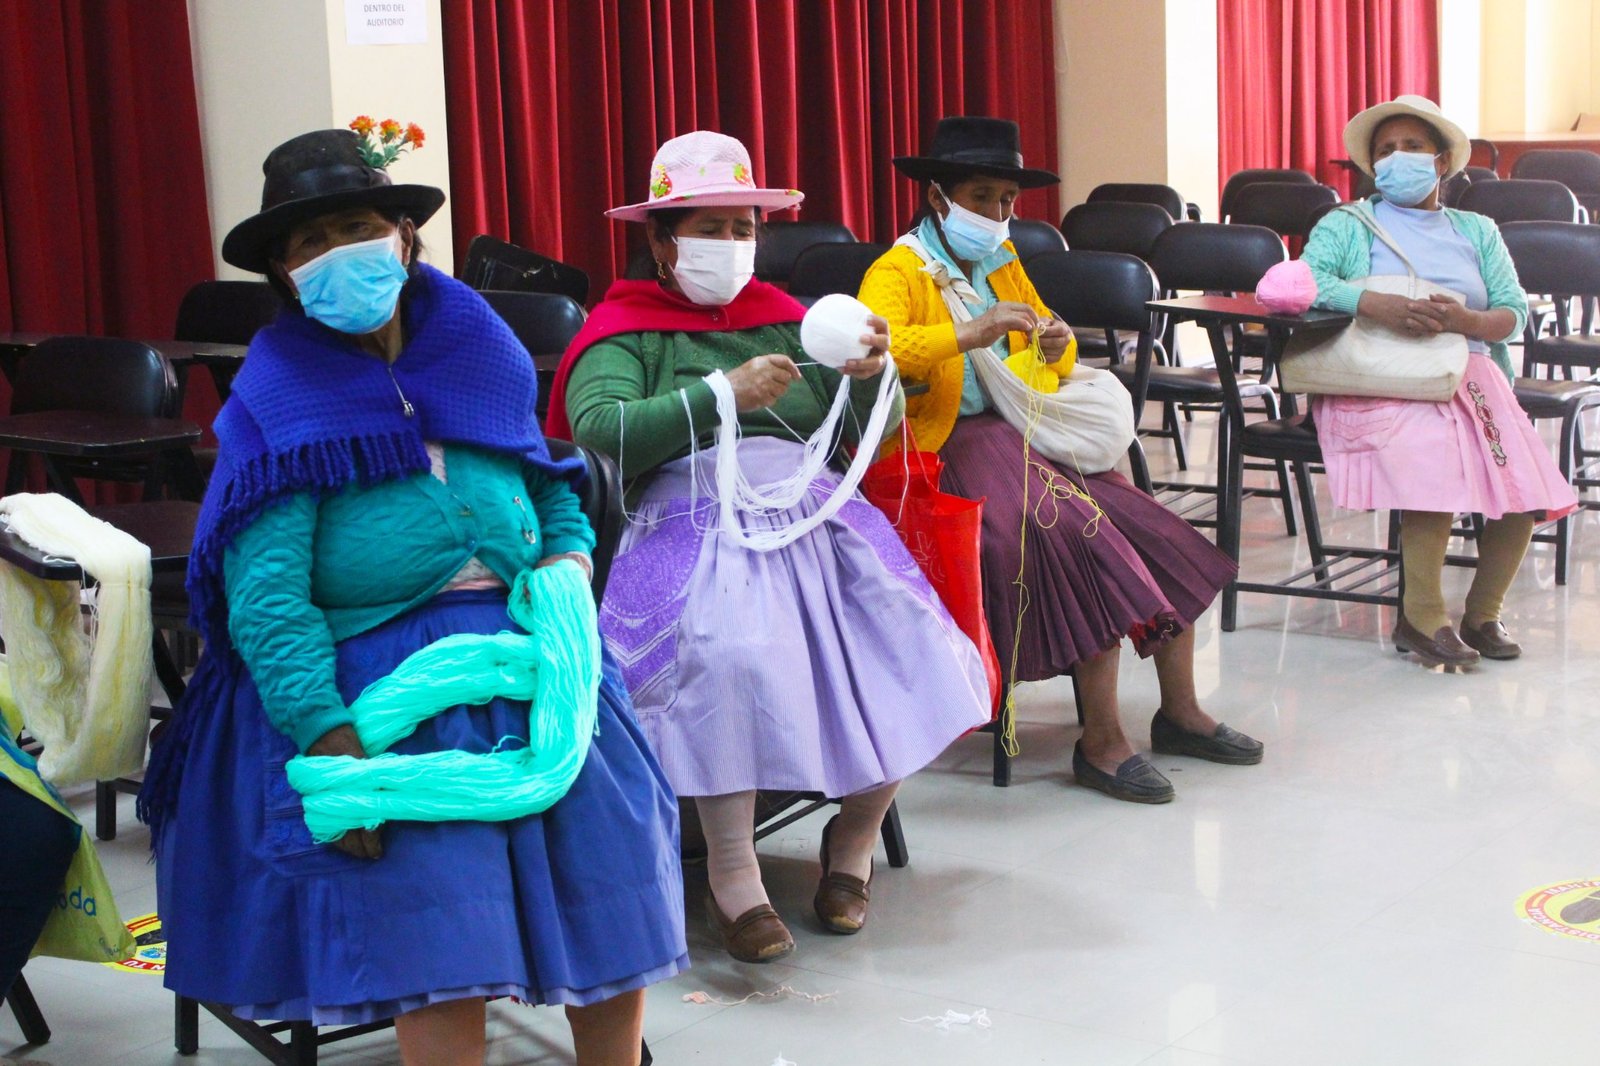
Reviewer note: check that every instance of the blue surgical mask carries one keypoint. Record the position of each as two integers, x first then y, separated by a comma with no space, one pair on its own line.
1406,178
972,236
353,288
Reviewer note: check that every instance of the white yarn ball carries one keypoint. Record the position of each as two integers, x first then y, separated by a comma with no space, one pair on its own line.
832,330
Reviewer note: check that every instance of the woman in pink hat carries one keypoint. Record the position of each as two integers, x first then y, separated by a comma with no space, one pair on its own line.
827,664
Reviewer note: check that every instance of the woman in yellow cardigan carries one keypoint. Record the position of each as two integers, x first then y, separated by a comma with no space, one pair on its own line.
1104,560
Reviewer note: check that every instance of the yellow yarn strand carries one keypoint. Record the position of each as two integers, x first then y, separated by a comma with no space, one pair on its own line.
1056,489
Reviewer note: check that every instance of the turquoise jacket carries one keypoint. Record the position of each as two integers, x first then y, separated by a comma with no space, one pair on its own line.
1339,251
308,574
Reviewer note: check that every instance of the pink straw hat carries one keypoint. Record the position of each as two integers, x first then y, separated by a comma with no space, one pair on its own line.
704,169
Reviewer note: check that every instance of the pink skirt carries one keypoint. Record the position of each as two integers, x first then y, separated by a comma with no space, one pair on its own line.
1478,452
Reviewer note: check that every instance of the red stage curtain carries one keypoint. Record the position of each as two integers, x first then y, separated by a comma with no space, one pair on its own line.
103,222
1292,72
556,109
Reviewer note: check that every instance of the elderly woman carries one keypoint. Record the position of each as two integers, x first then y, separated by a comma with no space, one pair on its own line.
1482,454
825,664
1104,560
383,486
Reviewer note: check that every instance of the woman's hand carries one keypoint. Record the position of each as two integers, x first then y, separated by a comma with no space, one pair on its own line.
762,381
873,363
1053,339
581,558
362,843
1007,316
1452,315
1403,315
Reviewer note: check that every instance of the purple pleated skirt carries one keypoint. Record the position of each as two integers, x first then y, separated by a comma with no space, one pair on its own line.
1136,570
828,665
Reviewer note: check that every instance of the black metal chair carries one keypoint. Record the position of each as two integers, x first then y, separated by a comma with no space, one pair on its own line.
1165,197
1031,237
545,323
1490,150
1317,215
30,1019
1115,226
828,268
1253,175
1576,168
1285,207
782,242
224,312
1216,257
1481,174
495,264
1521,200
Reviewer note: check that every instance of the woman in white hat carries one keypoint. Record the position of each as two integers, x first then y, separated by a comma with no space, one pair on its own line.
825,665
1475,453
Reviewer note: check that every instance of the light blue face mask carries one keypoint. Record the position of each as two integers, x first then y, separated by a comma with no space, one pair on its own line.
971,236
1406,178
353,288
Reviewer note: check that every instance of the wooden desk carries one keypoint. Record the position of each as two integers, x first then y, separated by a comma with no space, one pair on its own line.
96,436
222,360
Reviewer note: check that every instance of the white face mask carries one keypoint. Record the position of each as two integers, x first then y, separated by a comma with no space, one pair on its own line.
712,272
972,236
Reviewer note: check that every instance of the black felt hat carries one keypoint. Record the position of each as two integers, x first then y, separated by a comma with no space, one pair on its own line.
969,144
316,174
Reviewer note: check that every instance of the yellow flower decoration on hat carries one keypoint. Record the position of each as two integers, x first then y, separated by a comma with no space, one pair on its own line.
660,183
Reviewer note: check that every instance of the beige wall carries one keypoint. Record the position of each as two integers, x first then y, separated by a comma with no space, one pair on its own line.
265,71
1539,60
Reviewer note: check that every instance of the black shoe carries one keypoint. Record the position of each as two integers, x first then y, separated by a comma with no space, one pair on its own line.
1135,780
1226,745
1490,640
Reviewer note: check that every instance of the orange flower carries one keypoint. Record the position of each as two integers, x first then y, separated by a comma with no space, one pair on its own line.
414,135
363,124
389,128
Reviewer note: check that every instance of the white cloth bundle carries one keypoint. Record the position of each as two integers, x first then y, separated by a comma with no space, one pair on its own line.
84,696
1088,424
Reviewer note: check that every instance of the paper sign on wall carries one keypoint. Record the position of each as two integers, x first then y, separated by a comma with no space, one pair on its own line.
386,21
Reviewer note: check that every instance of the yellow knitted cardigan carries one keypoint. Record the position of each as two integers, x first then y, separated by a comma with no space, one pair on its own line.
922,335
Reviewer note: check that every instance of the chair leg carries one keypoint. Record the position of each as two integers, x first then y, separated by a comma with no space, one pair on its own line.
35,1030
1230,510
302,1044
105,810
185,1025
1002,757
894,838
1077,696
1308,510
1169,421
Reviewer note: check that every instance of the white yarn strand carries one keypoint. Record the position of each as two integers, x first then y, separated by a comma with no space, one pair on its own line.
85,697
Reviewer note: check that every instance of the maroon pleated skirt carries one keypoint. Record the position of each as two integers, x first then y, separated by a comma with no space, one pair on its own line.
1137,570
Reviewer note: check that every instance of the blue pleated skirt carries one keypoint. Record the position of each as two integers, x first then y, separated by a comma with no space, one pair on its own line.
572,906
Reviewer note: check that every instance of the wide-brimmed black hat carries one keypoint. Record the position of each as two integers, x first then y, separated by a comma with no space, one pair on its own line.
969,144
316,174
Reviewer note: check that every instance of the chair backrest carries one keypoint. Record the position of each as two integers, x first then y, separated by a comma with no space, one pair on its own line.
1521,200
1215,257
782,243
1489,150
1282,206
545,322
1032,237
1113,226
1231,188
600,495
1478,174
1454,189
1317,215
1163,196
1558,258
494,264
1096,290
226,312
828,268
100,374
1577,169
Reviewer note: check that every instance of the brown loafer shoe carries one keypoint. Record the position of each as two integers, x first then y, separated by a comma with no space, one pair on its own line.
1491,640
757,935
841,900
1226,745
1444,648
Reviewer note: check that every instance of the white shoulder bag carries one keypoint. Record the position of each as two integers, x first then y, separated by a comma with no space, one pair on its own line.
1367,359
1087,424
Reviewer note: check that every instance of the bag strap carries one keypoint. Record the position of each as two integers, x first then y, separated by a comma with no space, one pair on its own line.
1382,234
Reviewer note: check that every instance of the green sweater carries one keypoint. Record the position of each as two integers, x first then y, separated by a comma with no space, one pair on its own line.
1339,252
308,574
626,396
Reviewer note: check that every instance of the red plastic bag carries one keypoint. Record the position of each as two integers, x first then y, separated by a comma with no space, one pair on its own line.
943,534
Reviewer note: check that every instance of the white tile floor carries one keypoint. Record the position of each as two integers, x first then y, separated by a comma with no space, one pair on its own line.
1350,902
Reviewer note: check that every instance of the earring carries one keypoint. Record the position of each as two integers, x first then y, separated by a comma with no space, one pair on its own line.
661,270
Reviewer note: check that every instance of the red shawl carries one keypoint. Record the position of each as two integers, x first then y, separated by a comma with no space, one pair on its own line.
645,307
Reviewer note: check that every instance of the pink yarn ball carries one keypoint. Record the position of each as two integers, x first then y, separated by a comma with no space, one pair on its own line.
1288,288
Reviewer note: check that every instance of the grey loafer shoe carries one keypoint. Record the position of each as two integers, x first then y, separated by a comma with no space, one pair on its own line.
1226,745
1135,780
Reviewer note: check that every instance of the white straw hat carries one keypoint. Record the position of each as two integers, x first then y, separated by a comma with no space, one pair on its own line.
1359,130
704,169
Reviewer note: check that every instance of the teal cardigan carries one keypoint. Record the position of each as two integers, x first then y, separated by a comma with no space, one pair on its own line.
1339,251
308,574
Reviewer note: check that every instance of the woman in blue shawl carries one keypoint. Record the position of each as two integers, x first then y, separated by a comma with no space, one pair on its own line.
382,484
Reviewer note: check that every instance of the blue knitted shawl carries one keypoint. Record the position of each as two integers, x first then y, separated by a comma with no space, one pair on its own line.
310,412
